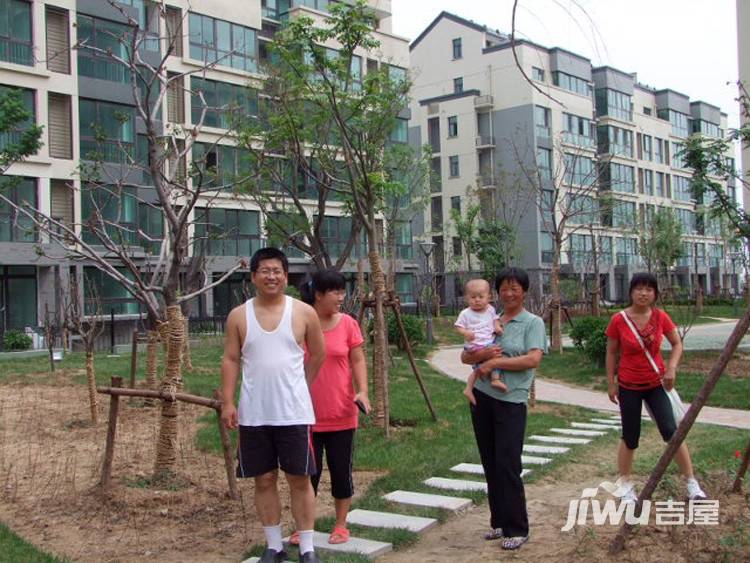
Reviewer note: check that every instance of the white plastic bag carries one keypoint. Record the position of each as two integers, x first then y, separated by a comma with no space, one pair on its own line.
678,407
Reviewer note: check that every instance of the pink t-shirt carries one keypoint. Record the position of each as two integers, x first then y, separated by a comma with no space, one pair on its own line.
481,323
333,390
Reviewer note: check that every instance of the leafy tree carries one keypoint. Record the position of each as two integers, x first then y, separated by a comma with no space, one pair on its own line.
661,243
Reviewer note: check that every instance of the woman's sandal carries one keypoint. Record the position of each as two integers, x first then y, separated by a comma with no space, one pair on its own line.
339,535
494,534
294,538
514,542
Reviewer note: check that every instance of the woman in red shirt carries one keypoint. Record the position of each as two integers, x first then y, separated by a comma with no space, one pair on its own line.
333,392
638,381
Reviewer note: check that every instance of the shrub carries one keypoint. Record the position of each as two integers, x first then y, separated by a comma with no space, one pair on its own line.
589,338
413,325
16,340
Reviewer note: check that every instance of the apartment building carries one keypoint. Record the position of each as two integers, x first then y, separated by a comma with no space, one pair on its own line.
743,56
570,123
70,89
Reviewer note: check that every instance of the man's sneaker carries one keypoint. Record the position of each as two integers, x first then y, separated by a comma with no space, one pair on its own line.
630,495
694,490
310,557
273,556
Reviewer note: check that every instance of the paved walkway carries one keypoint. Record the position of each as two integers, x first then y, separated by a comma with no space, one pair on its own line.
447,360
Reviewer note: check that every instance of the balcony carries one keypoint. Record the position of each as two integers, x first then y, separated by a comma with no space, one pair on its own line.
486,181
485,142
483,102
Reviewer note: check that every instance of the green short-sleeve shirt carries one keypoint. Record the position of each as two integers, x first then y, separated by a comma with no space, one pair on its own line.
523,333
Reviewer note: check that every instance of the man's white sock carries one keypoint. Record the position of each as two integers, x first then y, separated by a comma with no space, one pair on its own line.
305,541
273,537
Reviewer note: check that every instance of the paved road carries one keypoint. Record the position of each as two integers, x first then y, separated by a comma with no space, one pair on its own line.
447,361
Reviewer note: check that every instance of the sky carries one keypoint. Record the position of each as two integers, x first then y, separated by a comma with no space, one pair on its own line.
687,45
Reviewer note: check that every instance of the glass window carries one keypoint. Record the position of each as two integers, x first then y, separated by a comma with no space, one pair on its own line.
436,213
681,188
578,130
614,104
16,44
227,232
581,249
547,208
225,103
458,85
648,182
547,247
433,133
571,83
453,126
400,133
151,222
457,49
542,121
212,40
456,203
107,131
436,174
579,170
110,37
678,120
647,147
627,251
544,163
605,250
686,219
404,247
27,99
678,158
110,211
658,154
15,226
405,288
537,74
621,178
615,140
582,210
112,296
706,128
454,169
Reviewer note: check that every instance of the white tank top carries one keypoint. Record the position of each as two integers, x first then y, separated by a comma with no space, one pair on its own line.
274,390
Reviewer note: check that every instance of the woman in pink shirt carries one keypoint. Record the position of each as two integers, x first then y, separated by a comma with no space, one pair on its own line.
341,384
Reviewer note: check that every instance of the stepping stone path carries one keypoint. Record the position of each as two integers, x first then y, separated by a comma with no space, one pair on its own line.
374,519
580,433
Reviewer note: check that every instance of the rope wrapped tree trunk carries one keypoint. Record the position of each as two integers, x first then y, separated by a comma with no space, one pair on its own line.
166,447
380,367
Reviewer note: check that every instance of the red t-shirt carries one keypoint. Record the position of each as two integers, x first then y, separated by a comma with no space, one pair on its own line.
635,371
333,390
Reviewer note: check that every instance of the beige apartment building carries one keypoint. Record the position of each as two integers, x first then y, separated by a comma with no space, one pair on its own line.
69,89
572,124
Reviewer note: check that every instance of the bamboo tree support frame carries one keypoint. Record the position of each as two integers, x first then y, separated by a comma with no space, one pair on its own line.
392,301
136,339
116,390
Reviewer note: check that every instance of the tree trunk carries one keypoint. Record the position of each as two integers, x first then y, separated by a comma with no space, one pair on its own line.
166,447
91,381
187,361
555,311
380,366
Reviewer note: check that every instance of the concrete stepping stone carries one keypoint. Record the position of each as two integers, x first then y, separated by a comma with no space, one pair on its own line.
534,460
428,500
477,469
456,484
574,432
607,421
368,548
592,426
375,519
534,449
256,559
558,439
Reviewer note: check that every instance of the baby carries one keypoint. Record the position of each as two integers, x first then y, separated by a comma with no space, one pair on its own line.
478,324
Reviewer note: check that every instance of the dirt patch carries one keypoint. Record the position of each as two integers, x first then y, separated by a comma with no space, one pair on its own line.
50,462
702,362
460,538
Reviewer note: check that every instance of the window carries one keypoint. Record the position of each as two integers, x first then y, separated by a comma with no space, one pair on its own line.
456,203
118,208
687,220
270,9
15,226
537,74
405,288
646,110
224,102
614,104
707,128
581,249
615,140
174,30
151,223
223,165
578,130
400,133
61,202
678,120
627,251
27,99
15,32
453,126
457,49
176,98
112,296
660,187
18,295
678,158
547,199
458,85
544,163
605,250
404,247
658,153
682,189
457,247
212,40
59,130
571,83
335,232
107,131
582,210
687,255
436,179
579,170
433,133
547,247
542,121
647,147
648,182
58,40
110,37
436,213
227,232
621,178
453,164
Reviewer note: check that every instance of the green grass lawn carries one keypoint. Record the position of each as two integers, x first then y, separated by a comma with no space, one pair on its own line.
14,549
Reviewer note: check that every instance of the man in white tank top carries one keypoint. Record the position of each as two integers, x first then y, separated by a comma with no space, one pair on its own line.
265,340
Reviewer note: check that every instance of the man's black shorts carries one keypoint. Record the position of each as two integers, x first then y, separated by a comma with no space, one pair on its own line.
261,449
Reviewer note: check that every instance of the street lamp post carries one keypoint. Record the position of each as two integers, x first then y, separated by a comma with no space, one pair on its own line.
427,247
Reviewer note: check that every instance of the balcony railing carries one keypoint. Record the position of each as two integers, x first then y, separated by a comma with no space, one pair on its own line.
486,181
484,102
578,140
485,141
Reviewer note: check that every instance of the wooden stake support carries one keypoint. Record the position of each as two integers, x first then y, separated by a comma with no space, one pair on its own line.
394,303
135,340
109,452
226,446
737,486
